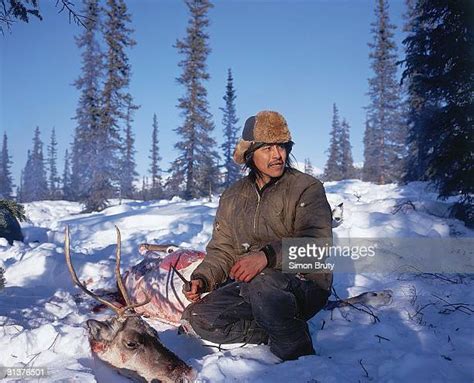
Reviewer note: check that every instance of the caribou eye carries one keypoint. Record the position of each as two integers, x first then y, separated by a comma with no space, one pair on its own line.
132,345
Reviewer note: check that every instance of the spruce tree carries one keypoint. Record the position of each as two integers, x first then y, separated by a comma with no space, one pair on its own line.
411,169
85,150
340,165
420,106
53,179
106,173
19,192
145,191
156,182
332,170
439,68
347,164
371,152
35,184
12,11
128,173
387,127
67,193
13,209
308,167
6,180
229,121
195,171
3,281
11,214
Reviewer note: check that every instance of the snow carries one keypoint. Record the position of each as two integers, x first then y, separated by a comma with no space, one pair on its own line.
419,335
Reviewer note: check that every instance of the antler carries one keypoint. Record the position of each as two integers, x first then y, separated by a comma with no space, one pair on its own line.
76,279
119,310
118,276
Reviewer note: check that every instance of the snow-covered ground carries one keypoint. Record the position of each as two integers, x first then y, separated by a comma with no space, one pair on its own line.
421,335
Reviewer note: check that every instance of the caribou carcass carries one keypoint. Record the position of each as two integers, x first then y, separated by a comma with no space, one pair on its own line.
126,342
158,276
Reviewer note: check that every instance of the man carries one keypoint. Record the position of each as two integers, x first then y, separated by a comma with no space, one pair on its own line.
275,201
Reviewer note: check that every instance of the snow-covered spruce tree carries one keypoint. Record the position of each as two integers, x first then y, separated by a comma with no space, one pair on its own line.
340,165
409,15
128,173
3,281
411,169
439,68
106,160
35,184
155,171
53,178
6,180
332,170
175,183
85,151
384,111
145,192
115,100
371,152
16,209
195,171
66,191
419,105
18,188
347,164
11,214
308,167
229,121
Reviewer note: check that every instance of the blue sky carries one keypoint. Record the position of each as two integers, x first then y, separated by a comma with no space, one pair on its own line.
296,57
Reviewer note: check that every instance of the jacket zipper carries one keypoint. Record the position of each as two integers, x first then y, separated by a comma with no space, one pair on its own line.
256,212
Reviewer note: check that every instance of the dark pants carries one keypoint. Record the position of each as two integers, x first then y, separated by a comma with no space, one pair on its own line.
273,306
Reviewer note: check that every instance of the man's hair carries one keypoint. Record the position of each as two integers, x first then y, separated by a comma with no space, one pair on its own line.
250,164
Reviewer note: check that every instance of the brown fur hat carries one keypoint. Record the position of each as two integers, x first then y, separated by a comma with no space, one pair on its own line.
266,127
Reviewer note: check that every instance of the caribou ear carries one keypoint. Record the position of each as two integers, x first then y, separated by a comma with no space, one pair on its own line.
95,328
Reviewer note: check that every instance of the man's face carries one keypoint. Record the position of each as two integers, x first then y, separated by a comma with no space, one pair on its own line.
270,160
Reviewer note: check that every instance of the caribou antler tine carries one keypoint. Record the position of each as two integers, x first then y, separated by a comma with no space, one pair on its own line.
76,279
129,305
118,275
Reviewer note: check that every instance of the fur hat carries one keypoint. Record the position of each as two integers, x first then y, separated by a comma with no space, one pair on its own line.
266,127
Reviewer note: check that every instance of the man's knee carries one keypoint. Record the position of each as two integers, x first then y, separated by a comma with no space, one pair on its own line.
268,281
188,318
196,319
188,312
268,294
202,314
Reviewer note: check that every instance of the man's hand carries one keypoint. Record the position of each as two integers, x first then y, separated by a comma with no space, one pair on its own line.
194,294
246,268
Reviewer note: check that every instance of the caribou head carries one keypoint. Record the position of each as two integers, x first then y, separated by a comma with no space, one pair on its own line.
126,342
